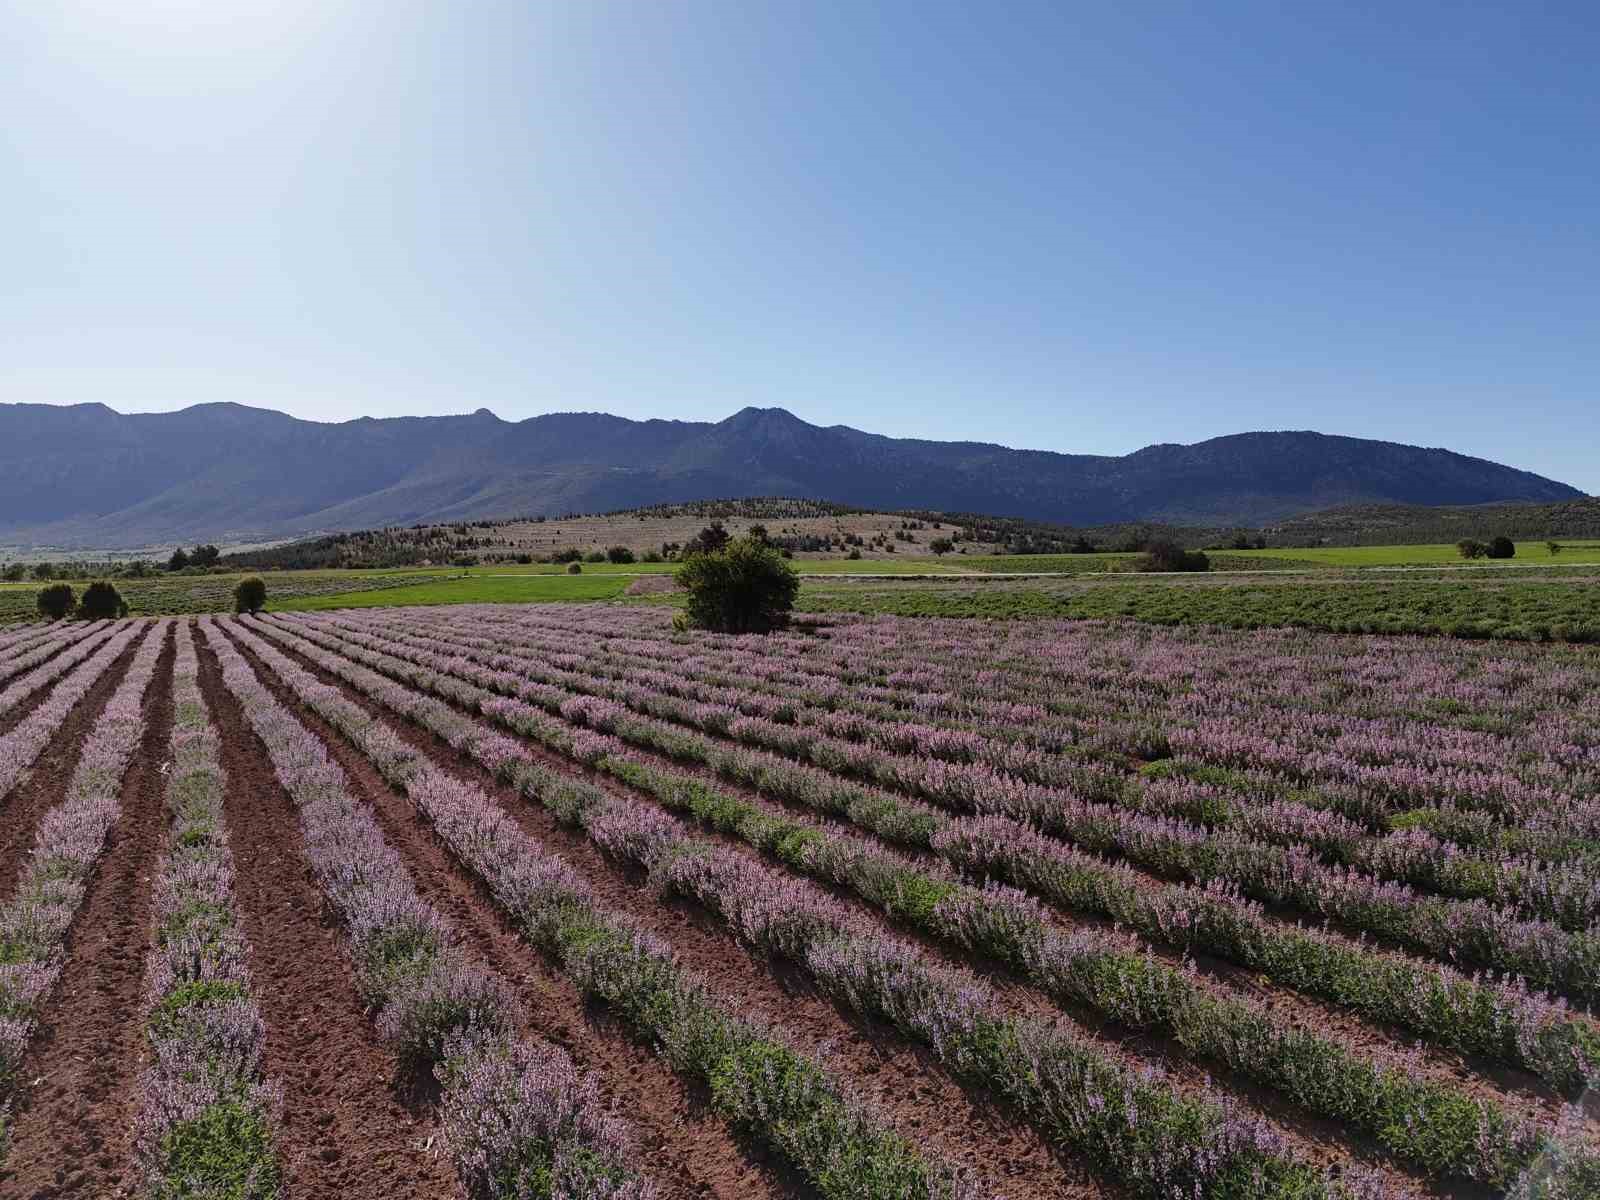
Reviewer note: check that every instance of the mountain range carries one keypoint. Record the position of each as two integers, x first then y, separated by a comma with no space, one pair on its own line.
85,476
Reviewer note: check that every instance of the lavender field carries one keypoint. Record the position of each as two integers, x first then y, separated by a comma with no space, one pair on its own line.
494,901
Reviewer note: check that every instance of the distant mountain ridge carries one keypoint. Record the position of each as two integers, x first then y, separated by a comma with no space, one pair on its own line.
86,476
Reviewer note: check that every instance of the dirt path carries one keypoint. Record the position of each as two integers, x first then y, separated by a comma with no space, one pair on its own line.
74,1136
348,1132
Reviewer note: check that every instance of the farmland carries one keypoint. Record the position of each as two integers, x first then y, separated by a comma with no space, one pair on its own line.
493,900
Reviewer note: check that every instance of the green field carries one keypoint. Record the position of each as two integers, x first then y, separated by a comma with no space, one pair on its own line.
1517,609
471,589
1529,553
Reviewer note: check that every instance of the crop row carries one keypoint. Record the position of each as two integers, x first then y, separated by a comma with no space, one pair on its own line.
41,674
1433,1125
1500,1020
70,839
1370,742
1413,709
951,1011
208,1118
35,652
28,738
517,1116
757,1082
1267,835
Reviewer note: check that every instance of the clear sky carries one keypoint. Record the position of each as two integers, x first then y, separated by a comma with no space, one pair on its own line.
1074,226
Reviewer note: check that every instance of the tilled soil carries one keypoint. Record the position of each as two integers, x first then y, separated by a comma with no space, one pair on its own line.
901,1081
74,1135
351,1129
45,784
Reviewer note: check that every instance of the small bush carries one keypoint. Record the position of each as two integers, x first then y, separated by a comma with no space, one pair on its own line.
941,546
650,556
854,553
570,554
595,556
250,595
745,587
1501,547
179,560
1471,548
574,568
101,601
1169,556
56,600
619,554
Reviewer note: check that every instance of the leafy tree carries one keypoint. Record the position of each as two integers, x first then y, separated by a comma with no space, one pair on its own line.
744,587
1471,548
55,601
204,556
44,570
941,546
708,541
250,595
758,532
619,554
16,573
179,560
101,601
1501,547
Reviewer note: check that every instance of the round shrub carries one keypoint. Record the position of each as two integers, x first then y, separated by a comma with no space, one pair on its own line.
56,600
250,595
619,554
574,568
595,556
1501,547
101,601
744,587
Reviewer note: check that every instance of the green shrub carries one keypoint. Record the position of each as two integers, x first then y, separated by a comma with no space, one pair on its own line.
1471,548
179,560
55,601
1162,555
619,554
745,587
1501,547
574,568
250,595
570,555
595,556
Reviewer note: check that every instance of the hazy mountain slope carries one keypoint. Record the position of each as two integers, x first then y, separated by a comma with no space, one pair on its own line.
88,476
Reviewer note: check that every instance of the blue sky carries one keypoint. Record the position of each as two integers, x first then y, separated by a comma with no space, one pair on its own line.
1081,227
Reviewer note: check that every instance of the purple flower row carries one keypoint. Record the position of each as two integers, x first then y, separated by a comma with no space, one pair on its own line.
20,689
949,1010
560,913
1500,1019
505,1120
70,839
1568,894
38,651
1121,677
1474,930
206,1084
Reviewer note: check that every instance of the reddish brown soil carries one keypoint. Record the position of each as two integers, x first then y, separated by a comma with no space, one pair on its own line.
351,1128
74,1136
901,1081
45,783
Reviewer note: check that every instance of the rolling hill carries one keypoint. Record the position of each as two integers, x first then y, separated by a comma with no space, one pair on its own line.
86,476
